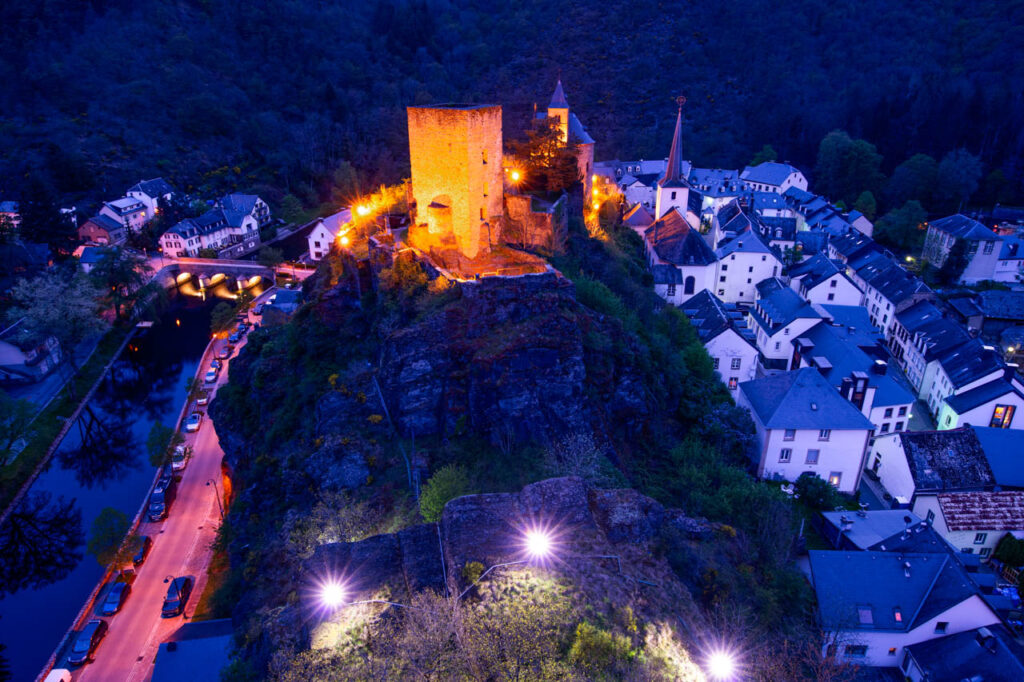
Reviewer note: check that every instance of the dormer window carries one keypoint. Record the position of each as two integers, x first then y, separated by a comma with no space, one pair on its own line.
897,614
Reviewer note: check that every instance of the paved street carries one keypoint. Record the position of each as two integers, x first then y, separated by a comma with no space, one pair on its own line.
182,546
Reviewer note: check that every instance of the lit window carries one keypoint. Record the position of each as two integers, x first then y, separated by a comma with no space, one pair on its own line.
790,434
897,614
1002,416
892,651
733,382
812,456
835,477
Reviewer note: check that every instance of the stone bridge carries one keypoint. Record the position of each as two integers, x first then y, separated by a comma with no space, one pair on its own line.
203,273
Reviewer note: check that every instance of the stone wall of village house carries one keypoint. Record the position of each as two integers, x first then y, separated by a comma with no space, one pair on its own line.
456,160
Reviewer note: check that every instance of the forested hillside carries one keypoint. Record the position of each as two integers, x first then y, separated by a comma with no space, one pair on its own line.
292,95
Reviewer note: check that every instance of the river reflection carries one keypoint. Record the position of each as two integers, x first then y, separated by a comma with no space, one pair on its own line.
102,462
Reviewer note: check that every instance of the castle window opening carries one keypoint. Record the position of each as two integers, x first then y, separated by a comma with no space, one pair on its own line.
484,154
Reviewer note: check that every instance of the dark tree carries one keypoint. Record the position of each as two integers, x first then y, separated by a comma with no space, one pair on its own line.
953,267
40,543
123,277
901,228
912,179
547,164
41,219
766,154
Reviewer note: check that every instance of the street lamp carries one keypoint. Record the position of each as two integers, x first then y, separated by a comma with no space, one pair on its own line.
333,593
722,665
216,492
538,544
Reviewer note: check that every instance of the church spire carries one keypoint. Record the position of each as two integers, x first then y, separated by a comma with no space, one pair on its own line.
674,167
558,100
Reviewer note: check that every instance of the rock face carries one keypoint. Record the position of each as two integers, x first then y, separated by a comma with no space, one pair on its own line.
585,522
510,357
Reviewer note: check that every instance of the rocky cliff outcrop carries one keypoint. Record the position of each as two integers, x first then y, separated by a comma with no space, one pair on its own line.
511,356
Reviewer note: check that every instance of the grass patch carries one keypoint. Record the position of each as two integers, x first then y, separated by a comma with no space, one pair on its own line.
209,607
47,425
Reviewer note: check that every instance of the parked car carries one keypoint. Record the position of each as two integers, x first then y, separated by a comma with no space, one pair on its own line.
87,641
216,364
203,398
162,497
182,454
115,598
257,309
211,376
146,544
235,337
194,421
224,353
177,596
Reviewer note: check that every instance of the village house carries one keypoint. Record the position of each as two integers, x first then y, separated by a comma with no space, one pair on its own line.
325,231
151,193
248,205
994,404
102,229
819,280
981,654
773,177
679,259
638,219
873,605
982,246
127,211
26,359
860,222
888,288
743,261
730,344
1010,266
957,371
230,233
716,187
975,521
803,426
778,317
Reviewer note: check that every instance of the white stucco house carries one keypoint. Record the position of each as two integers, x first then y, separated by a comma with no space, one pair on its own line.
805,426
997,404
983,246
127,211
325,231
874,604
777,318
680,260
773,177
150,193
819,280
743,261
726,338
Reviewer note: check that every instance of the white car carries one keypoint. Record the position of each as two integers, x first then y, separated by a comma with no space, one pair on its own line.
182,454
194,421
211,376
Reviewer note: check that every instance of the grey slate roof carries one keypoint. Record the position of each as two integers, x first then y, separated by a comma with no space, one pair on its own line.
711,317
873,527
775,227
778,305
1003,305
813,271
157,187
558,100
1003,448
946,460
638,216
889,279
768,173
976,397
107,223
243,203
675,242
717,182
666,274
962,227
748,241
965,305
577,131
939,334
852,244
989,654
763,201
871,591
969,362
802,399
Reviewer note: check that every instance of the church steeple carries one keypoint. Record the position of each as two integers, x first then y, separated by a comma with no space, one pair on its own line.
674,167
558,100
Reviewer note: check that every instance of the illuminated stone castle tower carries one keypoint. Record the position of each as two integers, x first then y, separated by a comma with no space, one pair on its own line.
573,134
455,152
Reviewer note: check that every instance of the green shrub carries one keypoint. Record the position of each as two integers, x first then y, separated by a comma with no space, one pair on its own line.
817,492
446,484
599,652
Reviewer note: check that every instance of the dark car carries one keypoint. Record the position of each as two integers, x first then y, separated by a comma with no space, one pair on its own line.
224,353
235,338
87,641
162,497
144,547
177,596
115,598
258,309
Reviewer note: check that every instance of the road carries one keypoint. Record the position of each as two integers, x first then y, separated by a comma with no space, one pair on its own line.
182,545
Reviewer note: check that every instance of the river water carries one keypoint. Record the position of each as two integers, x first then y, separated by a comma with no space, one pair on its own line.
102,462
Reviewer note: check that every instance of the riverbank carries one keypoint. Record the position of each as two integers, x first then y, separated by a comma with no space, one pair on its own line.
46,429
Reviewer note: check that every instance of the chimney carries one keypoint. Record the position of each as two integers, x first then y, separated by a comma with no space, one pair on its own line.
906,569
986,640
846,388
880,367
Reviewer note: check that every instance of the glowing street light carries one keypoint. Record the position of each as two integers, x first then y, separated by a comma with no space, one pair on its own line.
332,594
722,665
363,210
343,240
538,544
515,176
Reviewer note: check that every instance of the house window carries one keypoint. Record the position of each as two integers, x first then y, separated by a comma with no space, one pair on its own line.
967,550
733,382
671,290
812,456
892,651
673,195
750,269
898,427
688,285
949,419
980,538
931,516
735,364
790,434
897,614
785,332
885,427
777,345
856,650
316,244
835,477
722,278
941,627
763,259
831,297
725,267
749,281
715,362
721,292
988,248
1002,416
786,455
824,434
985,551
888,412
832,284
903,411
